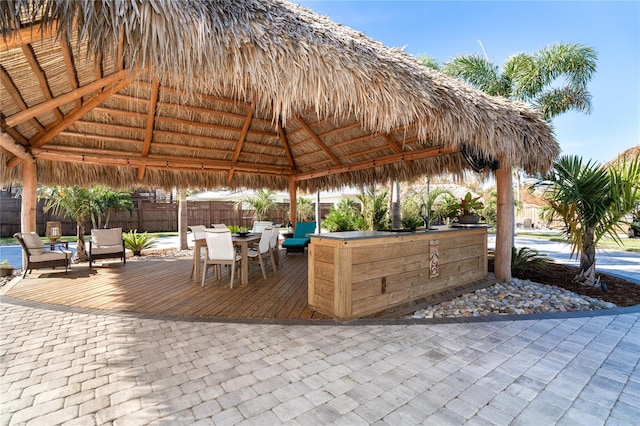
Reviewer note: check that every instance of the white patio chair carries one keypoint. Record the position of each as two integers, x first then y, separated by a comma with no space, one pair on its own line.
273,247
256,255
106,244
198,232
259,225
220,251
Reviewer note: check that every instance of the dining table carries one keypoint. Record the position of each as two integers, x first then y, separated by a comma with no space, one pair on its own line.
238,241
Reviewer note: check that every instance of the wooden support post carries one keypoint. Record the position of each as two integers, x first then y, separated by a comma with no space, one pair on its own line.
504,226
29,196
292,200
182,218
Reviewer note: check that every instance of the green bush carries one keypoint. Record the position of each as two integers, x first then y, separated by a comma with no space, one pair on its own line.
527,259
343,217
138,242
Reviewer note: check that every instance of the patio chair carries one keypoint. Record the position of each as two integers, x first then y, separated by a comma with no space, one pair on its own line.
198,232
106,244
273,246
259,225
256,255
219,226
299,241
37,256
220,251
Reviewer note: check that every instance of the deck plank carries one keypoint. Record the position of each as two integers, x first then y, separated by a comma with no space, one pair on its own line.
162,285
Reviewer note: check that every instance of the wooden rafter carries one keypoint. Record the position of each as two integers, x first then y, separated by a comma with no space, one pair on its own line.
395,158
212,126
8,144
148,133
75,114
285,144
17,98
30,35
69,64
29,113
243,135
319,142
30,56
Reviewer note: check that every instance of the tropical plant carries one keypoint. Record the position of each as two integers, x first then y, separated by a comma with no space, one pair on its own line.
526,260
418,202
591,200
261,203
138,242
533,78
465,206
374,209
305,211
72,203
105,201
343,217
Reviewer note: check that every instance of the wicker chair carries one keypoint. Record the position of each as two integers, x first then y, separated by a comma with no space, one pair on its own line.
37,255
106,244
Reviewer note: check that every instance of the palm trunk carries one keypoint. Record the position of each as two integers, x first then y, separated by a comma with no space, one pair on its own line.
81,250
587,274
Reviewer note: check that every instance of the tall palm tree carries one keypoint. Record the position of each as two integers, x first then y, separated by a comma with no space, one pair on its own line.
72,203
534,78
591,200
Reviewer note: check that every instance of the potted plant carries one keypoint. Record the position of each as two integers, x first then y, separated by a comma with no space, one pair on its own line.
466,209
6,270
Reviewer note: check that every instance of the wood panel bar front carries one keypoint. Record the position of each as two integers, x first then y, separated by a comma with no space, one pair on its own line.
356,274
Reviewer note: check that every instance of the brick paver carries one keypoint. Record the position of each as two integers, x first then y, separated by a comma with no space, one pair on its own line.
92,368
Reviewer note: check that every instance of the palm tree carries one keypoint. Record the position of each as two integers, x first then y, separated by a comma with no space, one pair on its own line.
591,200
305,210
71,203
533,78
105,201
261,203
374,209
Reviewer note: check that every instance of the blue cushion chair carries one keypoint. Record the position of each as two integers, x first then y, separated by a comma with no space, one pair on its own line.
299,241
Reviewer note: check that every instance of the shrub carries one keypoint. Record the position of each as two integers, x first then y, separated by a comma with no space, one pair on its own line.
138,242
527,259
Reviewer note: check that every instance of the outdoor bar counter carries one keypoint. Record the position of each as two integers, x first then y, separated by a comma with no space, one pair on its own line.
359,273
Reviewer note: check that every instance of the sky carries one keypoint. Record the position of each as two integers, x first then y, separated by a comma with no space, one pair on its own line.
499,29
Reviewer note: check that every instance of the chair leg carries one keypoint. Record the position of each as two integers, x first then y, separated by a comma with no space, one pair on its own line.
273,262
203,272
233,272
264,273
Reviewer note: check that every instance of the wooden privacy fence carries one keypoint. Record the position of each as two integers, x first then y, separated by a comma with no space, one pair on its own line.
148,216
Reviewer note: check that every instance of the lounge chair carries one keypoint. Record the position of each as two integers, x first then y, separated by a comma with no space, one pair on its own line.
106,244
37,255
299,241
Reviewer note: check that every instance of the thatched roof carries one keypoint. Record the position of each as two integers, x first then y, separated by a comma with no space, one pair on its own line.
235,93
627,155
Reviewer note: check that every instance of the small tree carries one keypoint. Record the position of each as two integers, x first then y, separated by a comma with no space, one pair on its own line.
304,210
591,201
262,203
374,209
104,201
343,217
71,203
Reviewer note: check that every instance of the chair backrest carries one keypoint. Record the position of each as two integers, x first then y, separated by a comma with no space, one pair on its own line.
106,237
30,241
273,241
220,226
265,239
219,244
198,231
304,228
259,225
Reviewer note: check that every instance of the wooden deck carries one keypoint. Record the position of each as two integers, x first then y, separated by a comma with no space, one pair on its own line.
162,286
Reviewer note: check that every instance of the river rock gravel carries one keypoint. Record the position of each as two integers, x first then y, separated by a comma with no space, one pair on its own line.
513,298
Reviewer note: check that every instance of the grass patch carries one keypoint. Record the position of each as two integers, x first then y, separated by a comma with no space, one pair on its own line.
606,243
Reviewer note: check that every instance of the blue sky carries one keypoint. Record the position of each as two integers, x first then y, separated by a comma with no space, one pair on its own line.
447,29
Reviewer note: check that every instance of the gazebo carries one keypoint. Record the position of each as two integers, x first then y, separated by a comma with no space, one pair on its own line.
239,93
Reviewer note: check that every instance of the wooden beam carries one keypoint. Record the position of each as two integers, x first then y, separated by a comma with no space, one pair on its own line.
505,222
395,158
30,35
285,144
243,135
318,141
30,55
212,126
393,144
293,200
69,64
148,133
9,144
25,115
129,159
42,138
17,98
29,196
